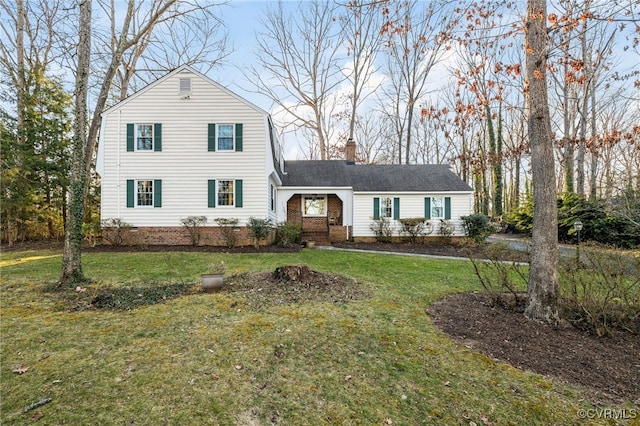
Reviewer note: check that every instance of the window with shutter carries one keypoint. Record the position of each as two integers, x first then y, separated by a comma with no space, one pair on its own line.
225,137
144,137
144,193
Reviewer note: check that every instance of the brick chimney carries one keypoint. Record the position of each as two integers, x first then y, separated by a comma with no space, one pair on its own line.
350,151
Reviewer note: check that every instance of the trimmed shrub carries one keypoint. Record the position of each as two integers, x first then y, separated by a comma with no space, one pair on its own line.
193,225
288,233
382,230
447,228
227,227
117,230
478,226
259,229
415,228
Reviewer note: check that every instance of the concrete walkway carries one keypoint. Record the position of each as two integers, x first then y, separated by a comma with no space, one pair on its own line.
519,243
514,242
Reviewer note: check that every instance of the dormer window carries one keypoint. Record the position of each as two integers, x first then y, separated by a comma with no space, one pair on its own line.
185,86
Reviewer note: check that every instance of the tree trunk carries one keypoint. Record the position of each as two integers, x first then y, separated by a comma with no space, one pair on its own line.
407,151
515,202
542,289
593,181
568,135
20,72
72,255
495,160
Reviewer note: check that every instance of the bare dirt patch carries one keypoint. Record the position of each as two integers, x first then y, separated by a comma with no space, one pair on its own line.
293,284
608,367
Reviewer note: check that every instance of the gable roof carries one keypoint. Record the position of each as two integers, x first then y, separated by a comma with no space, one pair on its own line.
373,177
180,69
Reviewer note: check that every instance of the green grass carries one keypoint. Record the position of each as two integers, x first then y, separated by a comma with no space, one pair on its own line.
210,359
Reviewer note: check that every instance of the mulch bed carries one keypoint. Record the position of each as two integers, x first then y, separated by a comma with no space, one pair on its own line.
608,367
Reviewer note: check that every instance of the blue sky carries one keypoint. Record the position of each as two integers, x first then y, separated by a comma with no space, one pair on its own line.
242,20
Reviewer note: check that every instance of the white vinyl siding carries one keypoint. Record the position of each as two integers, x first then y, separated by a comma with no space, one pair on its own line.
411,205
183,165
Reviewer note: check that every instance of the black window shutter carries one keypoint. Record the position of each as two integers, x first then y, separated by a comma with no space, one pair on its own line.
238,137
376,208
157,193
396,208
130,137
131,193
157,137
238,193
211,138
427,207
447,207
211,193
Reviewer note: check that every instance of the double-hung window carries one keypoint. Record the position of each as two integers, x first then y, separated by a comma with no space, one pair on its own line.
386,208
224,193
437,207
144,193
224,137
144,137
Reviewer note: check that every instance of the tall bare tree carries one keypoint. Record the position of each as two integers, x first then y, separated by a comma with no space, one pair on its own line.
362,36
542,288
132,31
189,33
71,257
299,57
414,45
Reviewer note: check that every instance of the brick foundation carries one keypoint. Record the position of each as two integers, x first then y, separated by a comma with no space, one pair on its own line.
178,235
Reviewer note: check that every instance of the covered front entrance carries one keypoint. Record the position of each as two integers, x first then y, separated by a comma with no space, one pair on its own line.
322,217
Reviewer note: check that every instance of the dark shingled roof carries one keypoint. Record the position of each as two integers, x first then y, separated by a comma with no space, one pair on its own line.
373,177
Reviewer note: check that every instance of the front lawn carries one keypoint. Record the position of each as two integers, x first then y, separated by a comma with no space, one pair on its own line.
216,359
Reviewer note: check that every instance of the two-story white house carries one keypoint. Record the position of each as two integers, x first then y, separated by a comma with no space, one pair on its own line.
187,146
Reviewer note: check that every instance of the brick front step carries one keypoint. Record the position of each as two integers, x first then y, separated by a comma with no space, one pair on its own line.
320,238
